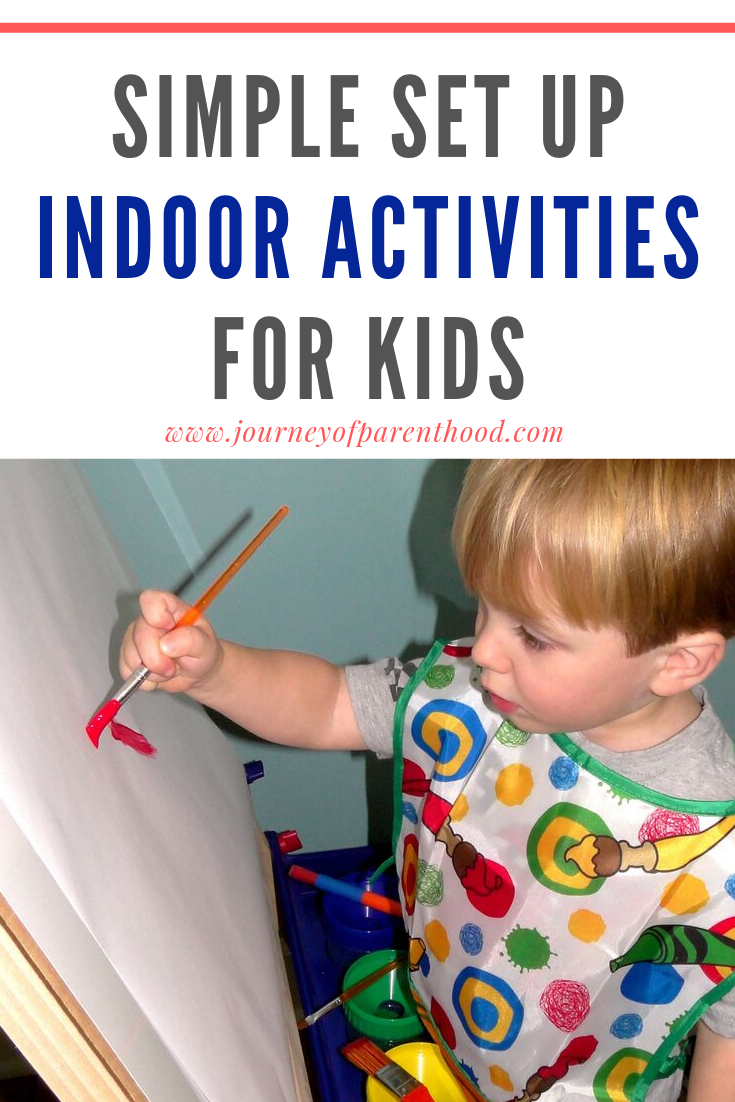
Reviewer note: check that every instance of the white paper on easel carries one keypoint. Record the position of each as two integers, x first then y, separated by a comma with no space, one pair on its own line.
156,856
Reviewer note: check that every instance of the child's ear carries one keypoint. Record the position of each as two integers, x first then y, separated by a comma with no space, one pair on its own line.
688,661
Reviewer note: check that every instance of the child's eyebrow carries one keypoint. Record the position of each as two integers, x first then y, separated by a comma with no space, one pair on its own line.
551,631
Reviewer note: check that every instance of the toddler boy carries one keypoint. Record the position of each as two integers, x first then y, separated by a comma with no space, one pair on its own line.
563,830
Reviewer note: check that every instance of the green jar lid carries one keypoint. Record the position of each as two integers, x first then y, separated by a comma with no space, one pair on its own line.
385,1011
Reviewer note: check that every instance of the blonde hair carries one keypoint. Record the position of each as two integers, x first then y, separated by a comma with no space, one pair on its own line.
644,545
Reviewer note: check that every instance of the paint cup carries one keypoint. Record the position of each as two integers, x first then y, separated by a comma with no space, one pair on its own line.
424,1062
352,929
385,1011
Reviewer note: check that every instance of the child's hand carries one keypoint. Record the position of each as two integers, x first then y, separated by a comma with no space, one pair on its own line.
180,659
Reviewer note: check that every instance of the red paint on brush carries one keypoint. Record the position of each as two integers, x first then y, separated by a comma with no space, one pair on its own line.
97,723
132,739
119,731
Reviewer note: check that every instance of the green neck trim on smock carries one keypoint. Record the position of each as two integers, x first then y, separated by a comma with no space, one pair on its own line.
626,787
398,718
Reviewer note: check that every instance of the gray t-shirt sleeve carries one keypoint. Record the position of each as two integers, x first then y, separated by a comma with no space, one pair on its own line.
721,1017
374,690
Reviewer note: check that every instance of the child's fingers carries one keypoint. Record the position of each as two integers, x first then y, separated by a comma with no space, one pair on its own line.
176,656
186,643
159,613
160,609
141,646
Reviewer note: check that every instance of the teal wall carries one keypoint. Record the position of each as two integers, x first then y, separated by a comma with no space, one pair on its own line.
361,569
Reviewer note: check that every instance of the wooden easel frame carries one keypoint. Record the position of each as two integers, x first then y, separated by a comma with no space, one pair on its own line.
46,1023
59,1039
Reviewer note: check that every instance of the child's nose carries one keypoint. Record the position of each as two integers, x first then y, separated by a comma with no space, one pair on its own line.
489,652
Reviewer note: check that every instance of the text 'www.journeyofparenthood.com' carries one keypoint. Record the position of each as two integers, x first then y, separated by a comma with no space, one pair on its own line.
360,434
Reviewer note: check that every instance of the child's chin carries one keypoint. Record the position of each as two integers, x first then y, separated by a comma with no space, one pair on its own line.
530,726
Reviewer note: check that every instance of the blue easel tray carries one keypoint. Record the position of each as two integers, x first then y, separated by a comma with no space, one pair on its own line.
319,963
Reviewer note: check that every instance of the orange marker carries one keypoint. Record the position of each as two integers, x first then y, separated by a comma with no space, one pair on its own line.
349,891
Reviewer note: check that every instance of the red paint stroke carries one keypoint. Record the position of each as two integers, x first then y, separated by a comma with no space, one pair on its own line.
97,723
119,731
131,738
577,1051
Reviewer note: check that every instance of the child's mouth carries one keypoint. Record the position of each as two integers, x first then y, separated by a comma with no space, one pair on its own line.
502,705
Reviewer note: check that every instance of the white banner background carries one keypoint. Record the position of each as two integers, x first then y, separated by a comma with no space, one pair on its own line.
103,367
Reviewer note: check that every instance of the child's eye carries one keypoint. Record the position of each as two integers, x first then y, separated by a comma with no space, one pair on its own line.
531,641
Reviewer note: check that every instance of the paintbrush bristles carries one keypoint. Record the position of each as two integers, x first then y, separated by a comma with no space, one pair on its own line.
369,1058
366,1055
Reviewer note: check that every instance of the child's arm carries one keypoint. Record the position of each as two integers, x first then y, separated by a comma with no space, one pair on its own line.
713,1067
295,699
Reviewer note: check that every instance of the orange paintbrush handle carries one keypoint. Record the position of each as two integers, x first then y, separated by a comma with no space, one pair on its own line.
192,614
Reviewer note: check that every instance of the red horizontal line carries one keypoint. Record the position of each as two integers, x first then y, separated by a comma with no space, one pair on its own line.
367,28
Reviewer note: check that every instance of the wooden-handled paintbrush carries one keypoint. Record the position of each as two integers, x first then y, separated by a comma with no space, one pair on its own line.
350,992
366,1055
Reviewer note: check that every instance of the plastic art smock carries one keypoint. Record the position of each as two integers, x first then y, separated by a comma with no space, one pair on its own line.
567,926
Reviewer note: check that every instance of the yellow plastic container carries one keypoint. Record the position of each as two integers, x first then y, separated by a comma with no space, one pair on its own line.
424,1062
